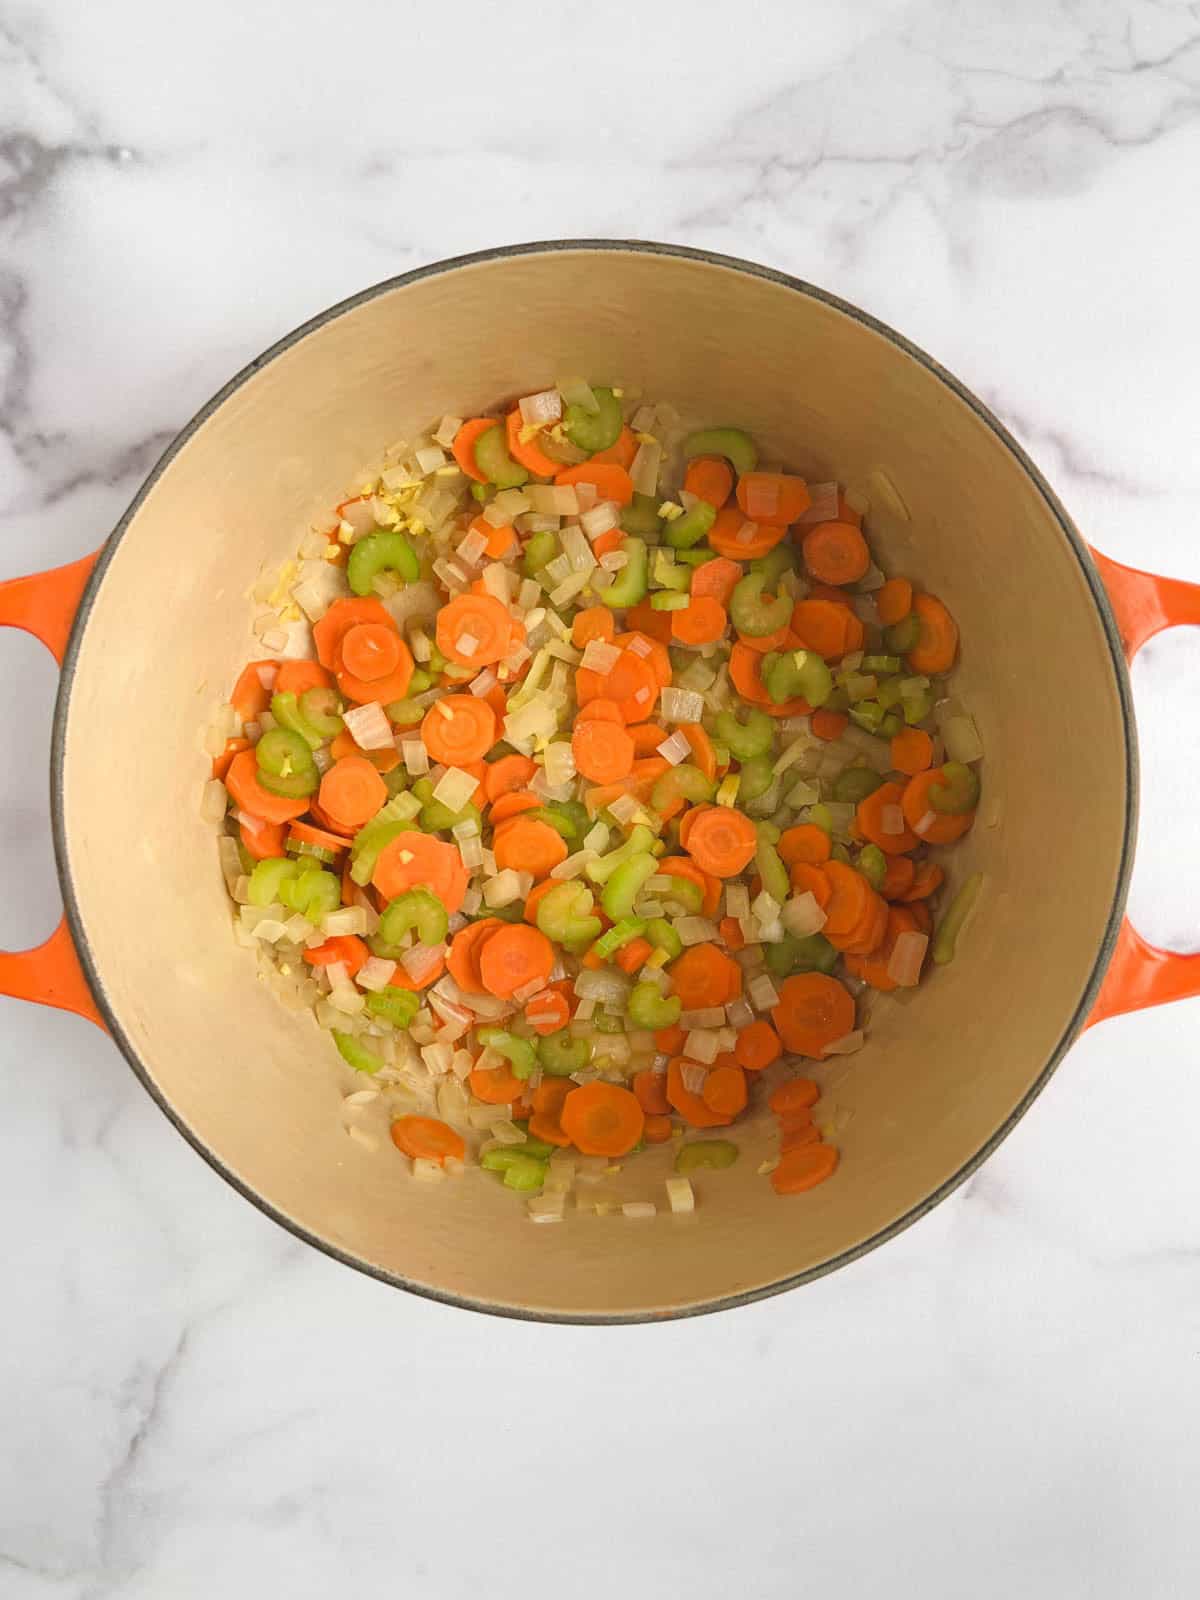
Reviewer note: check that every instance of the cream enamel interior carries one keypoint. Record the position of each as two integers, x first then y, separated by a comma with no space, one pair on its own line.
170,626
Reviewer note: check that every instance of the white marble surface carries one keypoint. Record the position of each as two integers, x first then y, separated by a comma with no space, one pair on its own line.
1002,1401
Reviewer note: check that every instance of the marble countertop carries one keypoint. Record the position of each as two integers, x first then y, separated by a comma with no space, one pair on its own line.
1002,1401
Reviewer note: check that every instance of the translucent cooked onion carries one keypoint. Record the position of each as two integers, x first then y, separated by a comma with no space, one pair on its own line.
823,506
369,726
907,958
375,973
847,1044
803,916
693,1075
675,749
541,408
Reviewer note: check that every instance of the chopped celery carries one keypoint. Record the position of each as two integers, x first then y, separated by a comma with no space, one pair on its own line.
713,1154
395,1005
891,725
405,713
917,706
771,870
313,893
619,935
683,782
958,792
593,430
621,889
945,940
568,818
520,1054
669,600
902,636
302,847
289,714
749,739
354,1054
561,1053
881,664
542,548
695,557
370,840
520,1171
285,764
541,1148
666,573
629,585
872,863
755,778
493,460
684,895
783,558
321,709
418,684
868,715
753,615
814,953
564,915
821,815
692,526
737,447
650,1008
417,908
437,817
641,517
268,878
639,841
381,552
853,784
663,937
797,672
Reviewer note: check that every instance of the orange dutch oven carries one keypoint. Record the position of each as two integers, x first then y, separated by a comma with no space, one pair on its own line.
152,628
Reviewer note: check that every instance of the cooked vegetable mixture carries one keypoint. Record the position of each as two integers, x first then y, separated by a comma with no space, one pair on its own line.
611,790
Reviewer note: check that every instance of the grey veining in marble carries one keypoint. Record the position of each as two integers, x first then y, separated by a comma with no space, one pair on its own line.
1000,1402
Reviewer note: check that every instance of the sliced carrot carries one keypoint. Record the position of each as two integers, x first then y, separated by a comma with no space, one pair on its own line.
514,956
462,955
459,728
649,649
734,536
691,1106
898,878
427,1139
506,776
709,478
632,957
513,805
836,553
934,827
937,645
249,795
305,833
466,439
873,969
725,1091
548,1012
418,861
346,948
722,841
646,736
893,601
669,1041
343,615
622,452
805,842
813,1010
654,624
593,622
384,687
528,845
809,878
823,626
829,725
912,750
705,976
601,710
371,650
793,1095
757,1047
796,1138
249,699
221,763
352,791
784,496
495,1086
528,452
849,901
730,930
382,760
710,887
265,843
476,630
701,621
870,816
602,1119
331,824
632,683
297,677
651,1091
603,751
846,512
610,481
800,1170
497,541
928,880
656,1129
922,915
717,578
703,754
531,901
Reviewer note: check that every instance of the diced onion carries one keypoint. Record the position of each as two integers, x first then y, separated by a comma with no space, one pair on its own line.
603,985
375,973
739,1013
823,504
416,757
693,1076
907,958
502,890
922,826
680,1195
602,518
422,961
645,467
639,1208
803,916
369,726
891,820
429,458
471,549
600,656
345,920
455,788
962,739
695,930
705,1017
538,409
578,392
702,1044
447,430
675,749
846,1045
213,800
681,705
763,993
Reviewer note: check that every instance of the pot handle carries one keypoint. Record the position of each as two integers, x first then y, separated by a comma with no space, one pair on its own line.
1140,974
45,605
